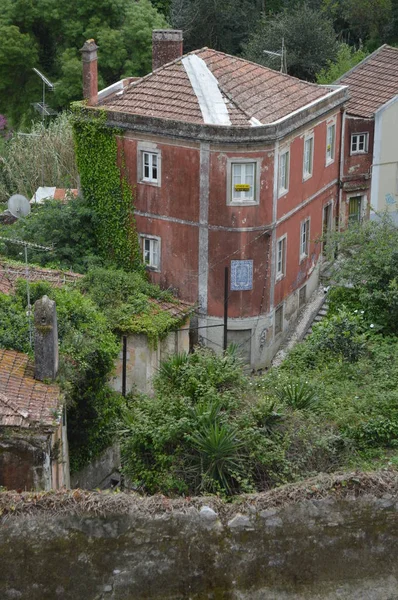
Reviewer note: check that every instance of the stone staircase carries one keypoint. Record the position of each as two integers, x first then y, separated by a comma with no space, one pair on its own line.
321,314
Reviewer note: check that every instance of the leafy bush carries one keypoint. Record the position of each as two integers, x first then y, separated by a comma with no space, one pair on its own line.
69,227
88,349
342,333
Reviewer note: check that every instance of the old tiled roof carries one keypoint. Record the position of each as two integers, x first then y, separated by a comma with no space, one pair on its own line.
372,82
249,90
11,272
24,401
177,309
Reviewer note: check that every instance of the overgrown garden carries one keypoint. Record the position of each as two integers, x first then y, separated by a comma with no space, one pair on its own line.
332,404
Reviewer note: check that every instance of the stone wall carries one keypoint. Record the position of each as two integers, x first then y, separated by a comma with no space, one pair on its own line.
326,548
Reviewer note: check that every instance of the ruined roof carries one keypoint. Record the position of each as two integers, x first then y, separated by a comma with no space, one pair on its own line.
210,87
11,272
24,401
372,82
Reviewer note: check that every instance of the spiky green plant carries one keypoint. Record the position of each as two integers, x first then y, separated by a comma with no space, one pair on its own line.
299,395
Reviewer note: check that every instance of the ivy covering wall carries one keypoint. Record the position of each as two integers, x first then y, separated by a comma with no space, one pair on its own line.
105,187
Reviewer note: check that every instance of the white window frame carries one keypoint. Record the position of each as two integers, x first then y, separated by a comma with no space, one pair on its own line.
330,143
154,240
308,169
356,137
280,267
241,200
150,149
305,227
283,186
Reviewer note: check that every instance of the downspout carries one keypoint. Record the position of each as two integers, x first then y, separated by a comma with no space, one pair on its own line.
341,167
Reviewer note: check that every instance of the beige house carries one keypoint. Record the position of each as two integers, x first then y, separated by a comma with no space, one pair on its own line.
143,356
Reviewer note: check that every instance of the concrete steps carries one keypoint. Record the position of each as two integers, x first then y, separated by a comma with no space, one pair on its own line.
321,314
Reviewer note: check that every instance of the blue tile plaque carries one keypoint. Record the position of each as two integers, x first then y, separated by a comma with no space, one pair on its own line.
241,275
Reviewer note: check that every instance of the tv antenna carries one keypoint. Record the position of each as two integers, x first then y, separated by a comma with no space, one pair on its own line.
19,207
281,55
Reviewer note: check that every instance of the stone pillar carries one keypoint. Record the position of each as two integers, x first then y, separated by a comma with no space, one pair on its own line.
90,71
46,339
166,46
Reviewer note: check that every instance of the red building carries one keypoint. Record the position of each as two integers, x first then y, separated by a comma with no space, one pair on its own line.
234,165
370,127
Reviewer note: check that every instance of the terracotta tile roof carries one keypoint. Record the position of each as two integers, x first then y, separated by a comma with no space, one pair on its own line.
177,309
249,90
11,272
372,82
24,401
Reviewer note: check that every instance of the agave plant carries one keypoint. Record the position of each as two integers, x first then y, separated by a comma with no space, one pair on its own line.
218,449
298,395
169,369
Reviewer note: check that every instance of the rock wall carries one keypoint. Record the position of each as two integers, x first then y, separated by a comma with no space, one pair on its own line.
315,549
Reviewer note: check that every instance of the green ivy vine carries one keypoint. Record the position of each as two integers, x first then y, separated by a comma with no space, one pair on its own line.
106,188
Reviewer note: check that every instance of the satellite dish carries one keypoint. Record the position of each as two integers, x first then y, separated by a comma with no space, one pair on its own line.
18,206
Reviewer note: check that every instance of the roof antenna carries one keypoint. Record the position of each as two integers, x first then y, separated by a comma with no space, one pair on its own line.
281,55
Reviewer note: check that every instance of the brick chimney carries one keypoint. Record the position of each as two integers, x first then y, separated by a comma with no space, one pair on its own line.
90,71
166,46
46,339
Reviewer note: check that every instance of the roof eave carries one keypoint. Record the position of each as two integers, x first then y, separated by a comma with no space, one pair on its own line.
224,134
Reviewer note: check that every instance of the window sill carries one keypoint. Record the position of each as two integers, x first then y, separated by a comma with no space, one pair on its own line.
302,258
152,183
240,203
307,176
279,277
353,153
282,193
152,269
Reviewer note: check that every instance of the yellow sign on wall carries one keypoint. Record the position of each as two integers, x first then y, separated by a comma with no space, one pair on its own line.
242,187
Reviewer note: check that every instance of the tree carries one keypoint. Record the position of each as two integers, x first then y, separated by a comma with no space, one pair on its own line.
368,263
47,34
223,25
309,38
347,58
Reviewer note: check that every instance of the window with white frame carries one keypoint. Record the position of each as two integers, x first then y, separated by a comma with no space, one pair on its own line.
150,167
151,252
304,238
281,258
308,161
283,173
359,143
330,142
243,182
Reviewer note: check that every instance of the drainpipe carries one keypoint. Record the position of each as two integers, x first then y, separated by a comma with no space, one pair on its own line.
341,167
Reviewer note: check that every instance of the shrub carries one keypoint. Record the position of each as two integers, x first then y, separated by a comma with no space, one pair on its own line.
342,333
298,395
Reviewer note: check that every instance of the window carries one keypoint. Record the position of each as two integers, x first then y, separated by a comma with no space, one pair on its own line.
151,252
243,182
281,258
354,210
330,143
150,167
302,296
278,320
308,161
283,175
304,238
359,143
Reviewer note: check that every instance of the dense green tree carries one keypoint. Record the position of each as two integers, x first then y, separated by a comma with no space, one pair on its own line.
47,34
222,25
309,37
347,57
